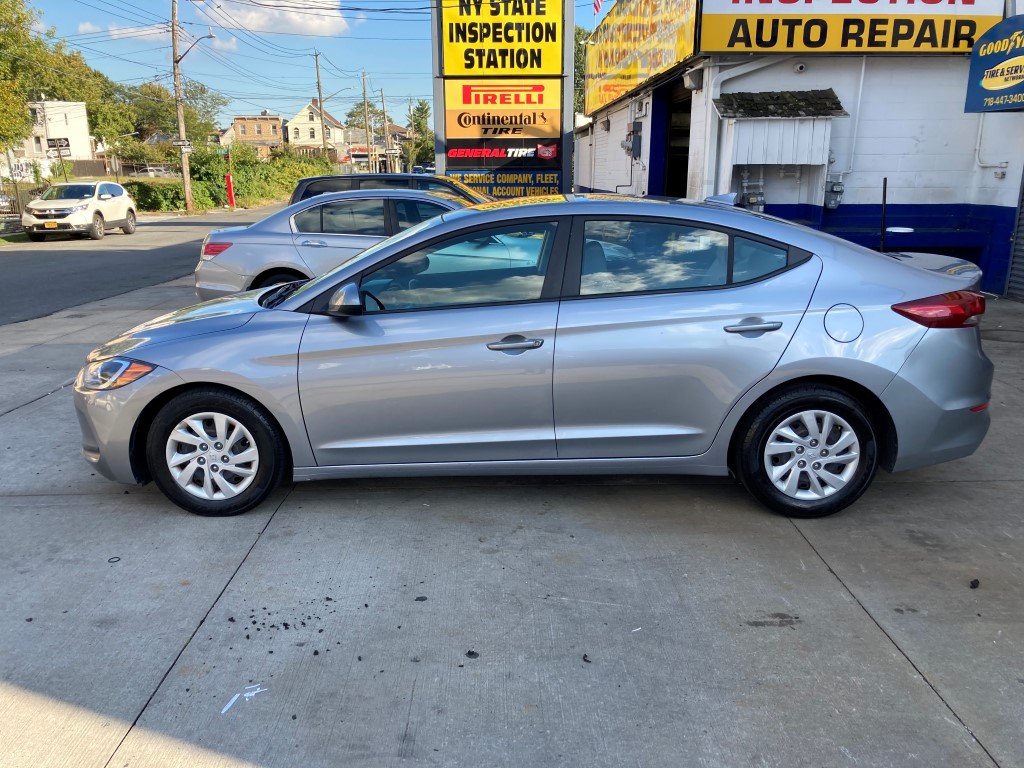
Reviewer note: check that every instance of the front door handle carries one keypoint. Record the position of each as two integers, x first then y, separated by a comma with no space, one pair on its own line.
314,243
515,342
753,327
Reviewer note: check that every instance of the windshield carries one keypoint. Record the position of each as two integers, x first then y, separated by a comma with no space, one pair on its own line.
476,194
69,192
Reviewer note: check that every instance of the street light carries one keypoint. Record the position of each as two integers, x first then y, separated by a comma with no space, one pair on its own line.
186,179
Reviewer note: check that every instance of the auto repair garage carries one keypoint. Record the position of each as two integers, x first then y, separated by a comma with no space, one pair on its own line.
849,118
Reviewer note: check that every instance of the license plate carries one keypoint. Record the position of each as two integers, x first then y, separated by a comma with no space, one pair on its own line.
49,225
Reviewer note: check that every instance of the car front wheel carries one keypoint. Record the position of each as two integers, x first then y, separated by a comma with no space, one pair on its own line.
215,453
97,229
808,452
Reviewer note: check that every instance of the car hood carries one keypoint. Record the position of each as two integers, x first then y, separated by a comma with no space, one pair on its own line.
64,202
209,317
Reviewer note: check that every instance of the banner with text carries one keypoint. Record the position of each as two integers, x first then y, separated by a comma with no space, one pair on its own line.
501,37
996,81
846,26
634,42
510,109
511,183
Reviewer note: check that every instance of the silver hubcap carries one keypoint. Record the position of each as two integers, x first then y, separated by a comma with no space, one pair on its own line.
212,456
812,455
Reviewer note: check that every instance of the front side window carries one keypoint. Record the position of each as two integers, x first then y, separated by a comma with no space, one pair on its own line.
312,133
311,117
327,131
492,266
345,217
295,133
241,129
259,129
273,129
414,211
639,256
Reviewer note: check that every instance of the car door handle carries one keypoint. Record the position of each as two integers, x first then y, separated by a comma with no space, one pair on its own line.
314,243
515,342
753,327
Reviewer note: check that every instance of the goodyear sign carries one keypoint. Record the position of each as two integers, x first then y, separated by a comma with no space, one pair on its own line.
501,37
634,42
478,109
511,183
846,26
996,82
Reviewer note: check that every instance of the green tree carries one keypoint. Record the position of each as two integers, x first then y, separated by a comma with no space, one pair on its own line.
579,85
354,118
18,50
421,150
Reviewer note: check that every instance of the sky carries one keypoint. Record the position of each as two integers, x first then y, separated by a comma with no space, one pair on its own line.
262,54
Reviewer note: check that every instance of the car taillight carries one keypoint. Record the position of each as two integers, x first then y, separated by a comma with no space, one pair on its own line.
948,310
212,249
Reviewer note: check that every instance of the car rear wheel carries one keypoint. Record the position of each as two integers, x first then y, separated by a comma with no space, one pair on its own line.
35,237
215,453
276,278
808,452
97,229
129,223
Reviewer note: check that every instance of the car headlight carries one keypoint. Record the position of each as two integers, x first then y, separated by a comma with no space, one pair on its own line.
112,373
76,208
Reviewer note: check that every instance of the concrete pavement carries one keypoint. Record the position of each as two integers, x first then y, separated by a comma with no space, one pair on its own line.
498,622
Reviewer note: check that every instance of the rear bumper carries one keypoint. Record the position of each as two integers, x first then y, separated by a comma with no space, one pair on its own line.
932,397
214,281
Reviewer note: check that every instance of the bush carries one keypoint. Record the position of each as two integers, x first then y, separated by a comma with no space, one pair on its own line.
255,181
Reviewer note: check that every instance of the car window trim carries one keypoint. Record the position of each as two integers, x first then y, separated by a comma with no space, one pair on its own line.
574,258
553,276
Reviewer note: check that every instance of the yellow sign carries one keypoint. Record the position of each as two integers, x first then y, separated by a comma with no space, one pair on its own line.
634,42
846,26
511,109
480,38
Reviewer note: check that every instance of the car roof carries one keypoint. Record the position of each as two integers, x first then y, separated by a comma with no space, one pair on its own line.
401,194
364,176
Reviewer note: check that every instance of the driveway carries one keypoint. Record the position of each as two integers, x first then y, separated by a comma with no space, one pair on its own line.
499,622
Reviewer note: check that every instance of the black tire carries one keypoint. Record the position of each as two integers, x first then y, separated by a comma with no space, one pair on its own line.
823,484
203,477
98,228
129,223
275,278
35,237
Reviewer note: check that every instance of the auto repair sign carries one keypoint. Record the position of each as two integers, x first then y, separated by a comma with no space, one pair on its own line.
846,26
996,81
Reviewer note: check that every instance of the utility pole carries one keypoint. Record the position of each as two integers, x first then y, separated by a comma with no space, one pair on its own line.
366,124
411,157
179,104
320,100
389,163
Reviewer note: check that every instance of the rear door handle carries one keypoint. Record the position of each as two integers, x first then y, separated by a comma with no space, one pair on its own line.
515,342
753,327
314,243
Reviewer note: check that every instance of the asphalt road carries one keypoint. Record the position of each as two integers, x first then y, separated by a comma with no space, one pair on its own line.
42,278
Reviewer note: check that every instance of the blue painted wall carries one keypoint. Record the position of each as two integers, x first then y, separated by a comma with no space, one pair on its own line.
979,233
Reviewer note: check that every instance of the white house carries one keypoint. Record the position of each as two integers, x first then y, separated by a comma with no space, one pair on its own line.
303,130
60,129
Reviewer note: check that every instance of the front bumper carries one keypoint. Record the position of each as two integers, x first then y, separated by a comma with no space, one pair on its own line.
78,221
108,421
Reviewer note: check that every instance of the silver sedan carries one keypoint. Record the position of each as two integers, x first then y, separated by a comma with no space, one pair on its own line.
310,237
574,335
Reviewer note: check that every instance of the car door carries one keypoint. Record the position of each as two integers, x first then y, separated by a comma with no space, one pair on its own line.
326,235
673,321
107,204
451,360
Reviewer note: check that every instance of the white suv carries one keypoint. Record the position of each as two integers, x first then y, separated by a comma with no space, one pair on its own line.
92,207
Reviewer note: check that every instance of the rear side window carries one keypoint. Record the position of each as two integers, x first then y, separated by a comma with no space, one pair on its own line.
383,184
343,217
635,256
326,185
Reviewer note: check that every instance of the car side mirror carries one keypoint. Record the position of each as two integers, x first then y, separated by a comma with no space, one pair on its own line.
105,196
346,301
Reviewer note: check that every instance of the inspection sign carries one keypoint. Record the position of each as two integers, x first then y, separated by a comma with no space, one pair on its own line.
846,26
501,37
